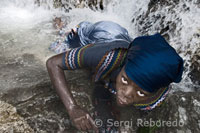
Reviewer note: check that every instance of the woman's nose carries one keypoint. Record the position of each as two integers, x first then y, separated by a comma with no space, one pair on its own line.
128,91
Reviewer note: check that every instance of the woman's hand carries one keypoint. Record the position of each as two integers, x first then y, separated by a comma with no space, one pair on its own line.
82,120
79,117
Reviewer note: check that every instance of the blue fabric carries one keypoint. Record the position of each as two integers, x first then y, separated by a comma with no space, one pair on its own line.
152,63
102,32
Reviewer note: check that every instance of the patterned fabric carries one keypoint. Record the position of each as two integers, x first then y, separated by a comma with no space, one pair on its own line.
109,62
79,58
153,101
73,59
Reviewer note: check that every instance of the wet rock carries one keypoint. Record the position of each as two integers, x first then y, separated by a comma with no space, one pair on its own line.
38,105
195,67
68,5
155,20
179,113
18,75
11,121
165,17
25,85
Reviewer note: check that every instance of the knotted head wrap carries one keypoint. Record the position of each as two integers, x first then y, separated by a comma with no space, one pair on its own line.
153,64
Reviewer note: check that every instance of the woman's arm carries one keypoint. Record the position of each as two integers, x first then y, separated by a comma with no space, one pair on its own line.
80,118
56,73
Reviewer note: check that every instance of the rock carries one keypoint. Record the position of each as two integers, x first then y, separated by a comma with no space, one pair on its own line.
20,74
11,121
25,85
165,17
179,113
68,5
155,19
195,68
38,106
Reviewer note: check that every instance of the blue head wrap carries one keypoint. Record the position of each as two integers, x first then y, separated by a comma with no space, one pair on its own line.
152,63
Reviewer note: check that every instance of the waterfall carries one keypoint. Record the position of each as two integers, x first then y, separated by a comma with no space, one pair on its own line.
26,26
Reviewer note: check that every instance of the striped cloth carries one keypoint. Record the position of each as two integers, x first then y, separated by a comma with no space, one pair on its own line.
79,58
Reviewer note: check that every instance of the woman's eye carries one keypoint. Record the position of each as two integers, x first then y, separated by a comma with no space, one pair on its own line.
124,81
140,93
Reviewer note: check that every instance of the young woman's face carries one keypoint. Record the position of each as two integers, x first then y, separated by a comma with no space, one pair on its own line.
128,92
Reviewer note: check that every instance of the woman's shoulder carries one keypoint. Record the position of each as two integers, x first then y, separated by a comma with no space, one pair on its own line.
109,62
102,61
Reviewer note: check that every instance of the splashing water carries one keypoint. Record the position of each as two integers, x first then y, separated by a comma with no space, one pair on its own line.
183,21
22,14
26,27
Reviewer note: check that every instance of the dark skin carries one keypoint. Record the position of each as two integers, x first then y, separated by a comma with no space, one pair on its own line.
81,118
127,93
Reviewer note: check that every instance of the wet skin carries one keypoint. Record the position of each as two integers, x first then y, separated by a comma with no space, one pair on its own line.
128,92
79,117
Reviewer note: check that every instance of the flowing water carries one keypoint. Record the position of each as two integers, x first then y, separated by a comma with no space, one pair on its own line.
26,27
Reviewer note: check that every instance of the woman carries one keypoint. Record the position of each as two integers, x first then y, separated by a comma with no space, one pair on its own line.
139,73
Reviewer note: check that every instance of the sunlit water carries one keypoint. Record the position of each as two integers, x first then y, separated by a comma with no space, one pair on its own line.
27,28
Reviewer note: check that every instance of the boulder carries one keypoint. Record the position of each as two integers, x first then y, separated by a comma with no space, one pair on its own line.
25,85
179,113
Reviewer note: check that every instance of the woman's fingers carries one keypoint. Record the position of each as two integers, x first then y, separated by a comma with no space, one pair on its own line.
82,123
88,125
83,126
91,121
85,123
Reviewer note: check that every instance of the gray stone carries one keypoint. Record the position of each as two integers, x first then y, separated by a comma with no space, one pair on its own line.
67,5
195,67
25,85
